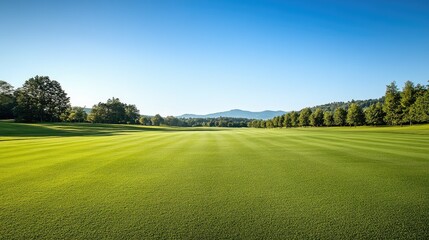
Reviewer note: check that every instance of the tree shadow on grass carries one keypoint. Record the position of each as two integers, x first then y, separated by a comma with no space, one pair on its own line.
11,129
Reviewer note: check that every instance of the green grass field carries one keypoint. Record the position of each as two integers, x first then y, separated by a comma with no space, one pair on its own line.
80,181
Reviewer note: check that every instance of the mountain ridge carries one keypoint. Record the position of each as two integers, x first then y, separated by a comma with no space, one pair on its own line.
237,113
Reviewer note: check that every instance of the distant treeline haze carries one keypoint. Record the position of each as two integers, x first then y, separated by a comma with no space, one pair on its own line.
43,100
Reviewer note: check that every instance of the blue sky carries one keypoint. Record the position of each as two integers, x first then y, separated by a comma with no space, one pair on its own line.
175,57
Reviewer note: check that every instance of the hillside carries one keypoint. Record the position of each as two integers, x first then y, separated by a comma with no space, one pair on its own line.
237,113
334,105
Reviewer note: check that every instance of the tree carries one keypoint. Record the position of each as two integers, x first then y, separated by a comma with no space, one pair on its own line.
407,99
340,116
374,115
355,116
304,117
132,114
77,114
328,119
392,105
316,118
173,121
145,120
114,111
281,121
419,111
294,119
41,99
287,120
275,122
7,100
157,120
99,113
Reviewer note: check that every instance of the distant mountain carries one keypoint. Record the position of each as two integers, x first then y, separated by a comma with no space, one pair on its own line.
237,113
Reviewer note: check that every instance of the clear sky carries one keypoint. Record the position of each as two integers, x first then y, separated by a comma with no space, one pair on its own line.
175,57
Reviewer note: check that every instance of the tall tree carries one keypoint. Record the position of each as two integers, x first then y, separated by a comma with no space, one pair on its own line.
7,100
340,116
157,120
173,121
316,118
392,105
419,111
287,120
114,111
77,114
328,119
407,99
132,114
275,122
281,121
304,117
374,115
355,116
145,120
99,113
294,119
41,99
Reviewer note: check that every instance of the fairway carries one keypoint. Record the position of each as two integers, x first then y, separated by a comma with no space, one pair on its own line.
80,181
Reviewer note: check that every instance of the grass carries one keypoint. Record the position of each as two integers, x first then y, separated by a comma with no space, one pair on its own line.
81,181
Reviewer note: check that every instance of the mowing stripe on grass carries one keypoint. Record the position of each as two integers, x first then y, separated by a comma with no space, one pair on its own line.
77,181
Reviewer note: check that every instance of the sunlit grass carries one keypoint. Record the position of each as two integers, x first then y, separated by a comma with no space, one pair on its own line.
80,181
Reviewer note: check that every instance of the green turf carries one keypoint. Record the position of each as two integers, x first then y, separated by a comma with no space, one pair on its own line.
80,181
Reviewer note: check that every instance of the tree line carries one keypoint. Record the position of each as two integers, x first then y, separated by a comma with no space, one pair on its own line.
194,122
411,105
41,99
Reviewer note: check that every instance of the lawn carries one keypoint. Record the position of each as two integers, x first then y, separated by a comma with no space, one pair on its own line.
81,181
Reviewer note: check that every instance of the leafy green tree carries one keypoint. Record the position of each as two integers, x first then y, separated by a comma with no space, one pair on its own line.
419,111
114,111
392,105
287,120
419,90
275,122
328,119
407,99
252,124
374,115
7,100
41,99
316,118
157,120
294,119
99,113
173,121
77,114
304,117
340,116
132,114
355,116
281,121
145,120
